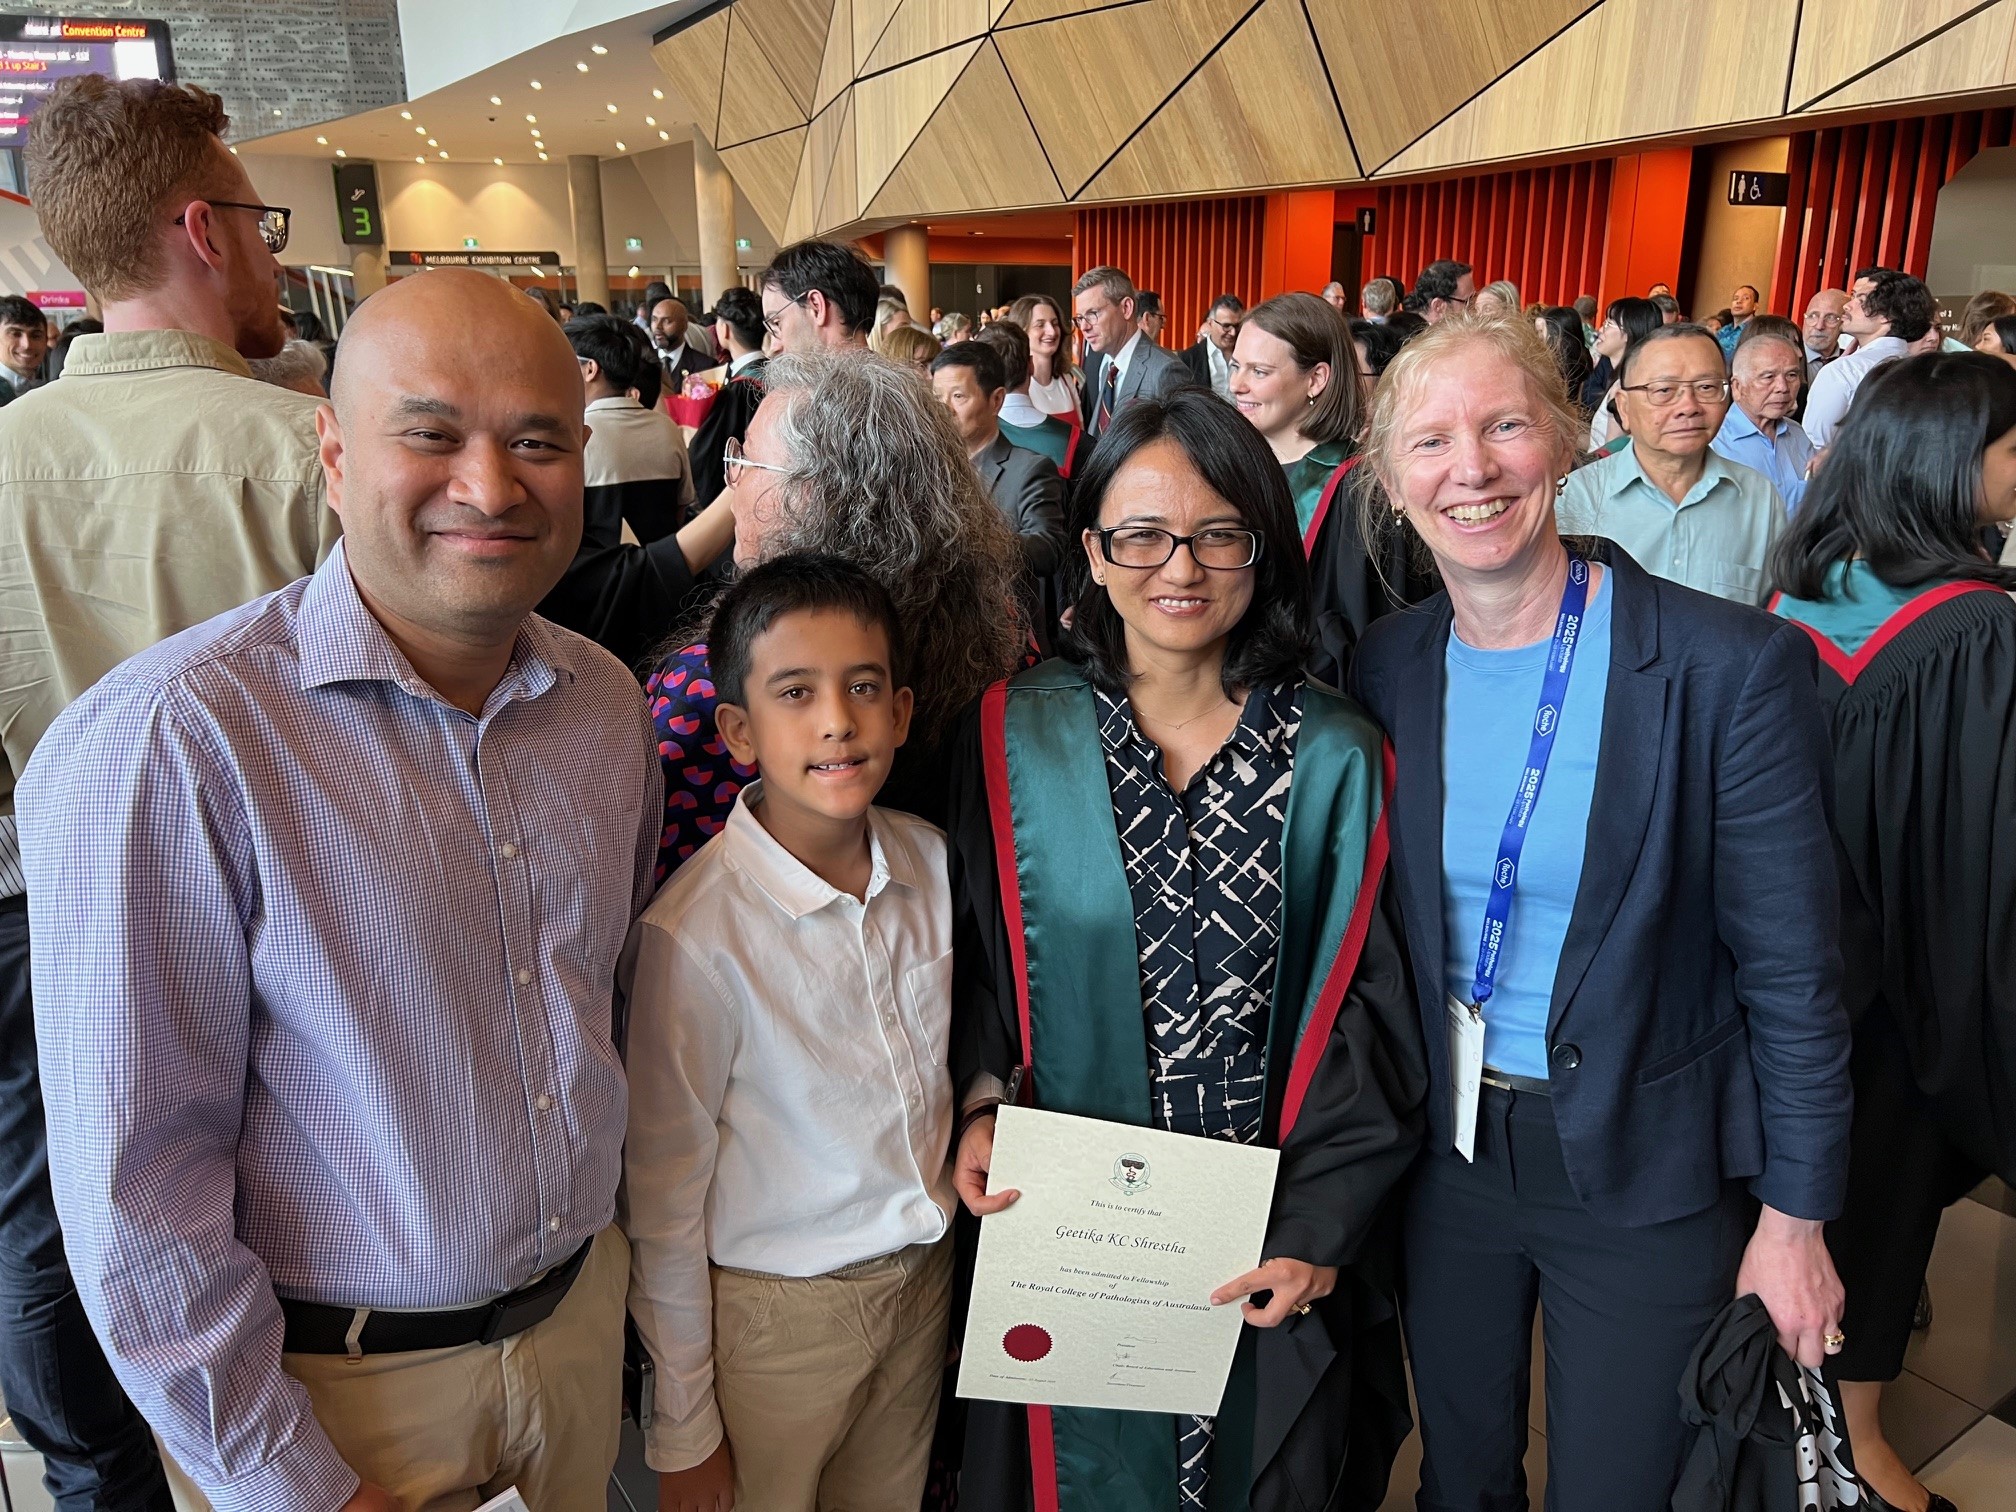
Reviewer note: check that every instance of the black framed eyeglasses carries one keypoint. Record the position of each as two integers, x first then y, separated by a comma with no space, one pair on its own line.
770,321
272,221
1222,548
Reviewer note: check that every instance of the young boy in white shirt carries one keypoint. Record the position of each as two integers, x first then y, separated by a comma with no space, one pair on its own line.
789,1001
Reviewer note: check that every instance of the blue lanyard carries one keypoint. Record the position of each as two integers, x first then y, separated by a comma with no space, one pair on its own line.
1546,725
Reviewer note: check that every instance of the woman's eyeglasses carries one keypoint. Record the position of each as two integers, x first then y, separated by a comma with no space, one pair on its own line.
1221,548
272,221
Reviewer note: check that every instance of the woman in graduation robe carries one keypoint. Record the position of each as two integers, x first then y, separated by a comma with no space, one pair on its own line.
1884,567
1295,377
1169,857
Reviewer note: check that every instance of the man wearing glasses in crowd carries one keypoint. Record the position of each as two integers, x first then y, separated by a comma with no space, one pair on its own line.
1120,363
818,293
159,485
1448,287
1683,512
1210,360
1822,328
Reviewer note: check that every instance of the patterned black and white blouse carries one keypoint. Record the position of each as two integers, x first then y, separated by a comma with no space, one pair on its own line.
1204,867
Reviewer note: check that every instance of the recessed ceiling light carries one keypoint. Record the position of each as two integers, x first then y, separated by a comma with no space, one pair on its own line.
633,271
419,160
234,152
664,136
419,131
432,143
498,161
533,119
341,153
441,154
276,112
650,120
405,115
621,148
599,50
657,94
610,108
537,85
583,67
496,99
321,141
542,157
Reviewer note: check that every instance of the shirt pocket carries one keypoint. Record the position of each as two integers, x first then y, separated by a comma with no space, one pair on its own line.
1733,580
927,998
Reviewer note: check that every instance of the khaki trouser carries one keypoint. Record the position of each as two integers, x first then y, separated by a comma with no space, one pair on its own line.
828,1385
444,1430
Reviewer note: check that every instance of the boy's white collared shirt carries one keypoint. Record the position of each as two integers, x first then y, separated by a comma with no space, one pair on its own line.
790,1098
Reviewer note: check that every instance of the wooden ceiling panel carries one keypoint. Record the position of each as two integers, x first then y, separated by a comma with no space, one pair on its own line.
754,102
870,17
841,201
804,211
1082,105
1979,53
1399,69
692,60
836,66
1567,95
891,108
977,152
1022,12
1258,112
766,170
1840,39
926,26
792,34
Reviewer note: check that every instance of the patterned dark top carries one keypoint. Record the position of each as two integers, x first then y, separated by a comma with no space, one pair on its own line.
1204,867
701,778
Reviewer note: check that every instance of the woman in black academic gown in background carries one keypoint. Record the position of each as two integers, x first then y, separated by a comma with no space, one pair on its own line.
1885,567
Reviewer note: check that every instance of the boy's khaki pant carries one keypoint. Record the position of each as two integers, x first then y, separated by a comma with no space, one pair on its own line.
828,1385
444,1430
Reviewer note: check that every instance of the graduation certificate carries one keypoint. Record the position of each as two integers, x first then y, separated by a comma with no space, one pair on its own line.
1094,1288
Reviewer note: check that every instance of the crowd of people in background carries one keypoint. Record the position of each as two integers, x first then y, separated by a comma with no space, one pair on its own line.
499,861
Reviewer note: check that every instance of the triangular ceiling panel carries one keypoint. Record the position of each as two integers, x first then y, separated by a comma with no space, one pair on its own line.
978,152
994,9
1248,116
1979,53
1565,95
1401,68
1840,39
792,34
1083,106
755,103
926,26
891,108
836,68
870,17
692,60
799,218
766,170
840,203
1022,12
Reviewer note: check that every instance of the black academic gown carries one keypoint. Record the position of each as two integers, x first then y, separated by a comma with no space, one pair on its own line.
1349,585
1331,1409
1924,723
727,418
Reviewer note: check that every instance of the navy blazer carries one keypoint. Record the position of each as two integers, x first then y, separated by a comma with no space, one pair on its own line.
1696,1033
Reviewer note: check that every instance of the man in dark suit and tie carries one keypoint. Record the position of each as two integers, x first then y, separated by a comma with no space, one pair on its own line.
1120,364
669,319
1210,360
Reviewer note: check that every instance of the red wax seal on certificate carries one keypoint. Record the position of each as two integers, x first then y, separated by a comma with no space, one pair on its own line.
1026,1342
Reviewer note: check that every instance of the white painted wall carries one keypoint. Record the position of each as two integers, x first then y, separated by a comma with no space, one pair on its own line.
447,40
515,208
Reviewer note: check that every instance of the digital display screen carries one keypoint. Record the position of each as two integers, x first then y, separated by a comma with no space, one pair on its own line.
36,51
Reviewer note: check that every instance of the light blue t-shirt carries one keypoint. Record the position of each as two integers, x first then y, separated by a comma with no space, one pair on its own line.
1487,729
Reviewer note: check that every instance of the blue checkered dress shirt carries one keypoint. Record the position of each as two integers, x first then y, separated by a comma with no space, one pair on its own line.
323,973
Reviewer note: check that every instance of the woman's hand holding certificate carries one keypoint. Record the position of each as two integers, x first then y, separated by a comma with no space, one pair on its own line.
1103,1283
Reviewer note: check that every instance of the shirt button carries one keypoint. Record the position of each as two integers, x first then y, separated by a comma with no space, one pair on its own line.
542,1102
524,977
553,1224
509,850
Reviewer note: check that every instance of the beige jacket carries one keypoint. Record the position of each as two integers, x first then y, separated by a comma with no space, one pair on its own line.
152,486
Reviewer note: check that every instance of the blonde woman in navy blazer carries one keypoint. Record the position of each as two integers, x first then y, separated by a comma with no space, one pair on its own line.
1663,1113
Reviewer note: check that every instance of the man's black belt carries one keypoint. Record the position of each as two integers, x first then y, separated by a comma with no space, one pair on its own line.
315,1328
1505,1081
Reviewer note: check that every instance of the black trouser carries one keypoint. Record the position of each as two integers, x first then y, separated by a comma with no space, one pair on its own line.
1903,1173
1623,1308
97,1454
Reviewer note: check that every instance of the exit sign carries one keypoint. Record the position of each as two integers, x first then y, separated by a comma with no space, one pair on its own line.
1748,188
743,244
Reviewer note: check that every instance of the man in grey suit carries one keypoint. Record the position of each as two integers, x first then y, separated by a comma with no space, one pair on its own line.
1120,365
971,380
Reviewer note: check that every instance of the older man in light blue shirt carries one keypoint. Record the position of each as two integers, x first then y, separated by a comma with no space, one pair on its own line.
1683,512
1759,431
